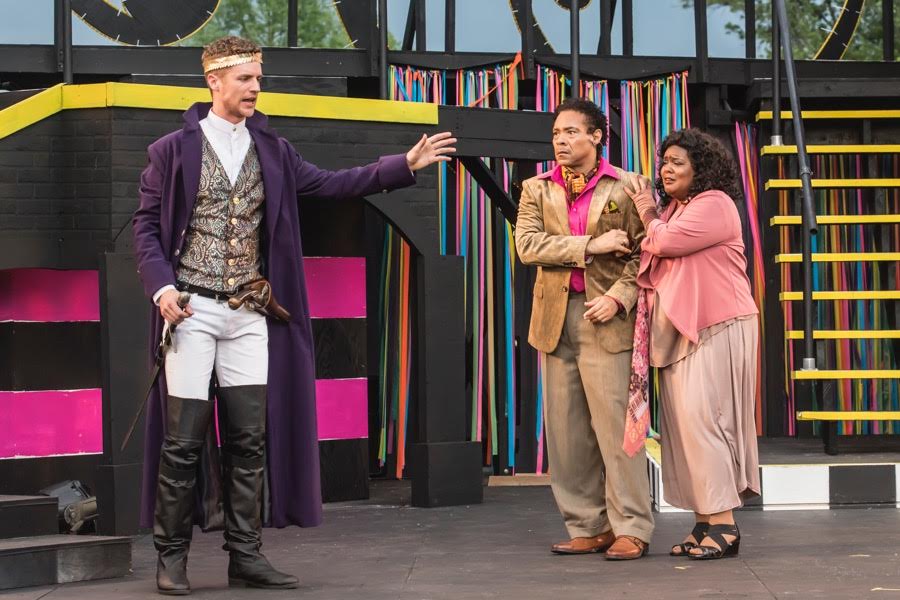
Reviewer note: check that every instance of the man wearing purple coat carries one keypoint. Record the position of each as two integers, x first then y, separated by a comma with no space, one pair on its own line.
218,212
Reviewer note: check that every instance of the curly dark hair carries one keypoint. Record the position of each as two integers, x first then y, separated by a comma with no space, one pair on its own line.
714,167
595,117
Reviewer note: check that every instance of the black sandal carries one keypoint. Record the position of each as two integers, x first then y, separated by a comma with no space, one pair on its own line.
725,549
698,533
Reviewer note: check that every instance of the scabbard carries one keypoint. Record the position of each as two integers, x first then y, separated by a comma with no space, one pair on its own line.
137,416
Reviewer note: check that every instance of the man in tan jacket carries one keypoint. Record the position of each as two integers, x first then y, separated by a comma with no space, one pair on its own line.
581,229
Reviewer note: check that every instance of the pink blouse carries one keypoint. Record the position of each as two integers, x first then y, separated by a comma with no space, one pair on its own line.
695,262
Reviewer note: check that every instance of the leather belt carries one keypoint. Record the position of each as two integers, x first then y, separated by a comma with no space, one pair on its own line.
206,293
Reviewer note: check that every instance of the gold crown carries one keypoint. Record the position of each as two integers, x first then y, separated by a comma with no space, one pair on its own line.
223,62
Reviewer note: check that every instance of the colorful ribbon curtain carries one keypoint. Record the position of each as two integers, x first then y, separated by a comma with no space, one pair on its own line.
745,141
395,354
650,111
471,227
852,354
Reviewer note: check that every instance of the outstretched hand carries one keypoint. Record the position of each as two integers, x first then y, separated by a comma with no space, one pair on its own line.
643,199
430,150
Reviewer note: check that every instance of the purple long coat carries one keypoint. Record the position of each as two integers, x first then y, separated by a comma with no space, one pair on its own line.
168,191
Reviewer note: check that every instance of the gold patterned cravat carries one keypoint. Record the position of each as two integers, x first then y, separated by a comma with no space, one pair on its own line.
576,182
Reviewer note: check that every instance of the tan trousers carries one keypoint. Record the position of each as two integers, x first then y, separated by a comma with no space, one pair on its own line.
596,485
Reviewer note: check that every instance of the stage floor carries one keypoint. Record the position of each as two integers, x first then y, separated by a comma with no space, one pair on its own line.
382,548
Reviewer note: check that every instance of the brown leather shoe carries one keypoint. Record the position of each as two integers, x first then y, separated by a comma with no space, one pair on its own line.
585,545
627,547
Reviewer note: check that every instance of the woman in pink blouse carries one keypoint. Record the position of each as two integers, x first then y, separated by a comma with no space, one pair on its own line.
703,338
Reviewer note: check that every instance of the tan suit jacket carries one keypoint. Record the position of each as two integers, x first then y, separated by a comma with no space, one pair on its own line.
543,238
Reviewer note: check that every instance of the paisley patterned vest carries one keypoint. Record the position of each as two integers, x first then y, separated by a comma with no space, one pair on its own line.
221,250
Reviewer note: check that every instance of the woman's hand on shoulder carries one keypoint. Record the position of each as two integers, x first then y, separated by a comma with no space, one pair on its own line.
642,196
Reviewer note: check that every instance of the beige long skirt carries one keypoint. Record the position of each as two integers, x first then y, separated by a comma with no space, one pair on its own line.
710,462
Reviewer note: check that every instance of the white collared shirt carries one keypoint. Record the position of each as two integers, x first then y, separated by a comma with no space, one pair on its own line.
230,142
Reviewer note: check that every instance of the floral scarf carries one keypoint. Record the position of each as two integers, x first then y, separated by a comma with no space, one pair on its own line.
637,415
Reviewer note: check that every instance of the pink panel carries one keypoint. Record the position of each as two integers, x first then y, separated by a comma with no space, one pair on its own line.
336,287
50,422
49,295
342,408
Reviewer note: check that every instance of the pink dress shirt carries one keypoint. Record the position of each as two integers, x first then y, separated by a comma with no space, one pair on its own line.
578,210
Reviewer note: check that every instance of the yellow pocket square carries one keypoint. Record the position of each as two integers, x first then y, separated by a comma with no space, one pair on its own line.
611,207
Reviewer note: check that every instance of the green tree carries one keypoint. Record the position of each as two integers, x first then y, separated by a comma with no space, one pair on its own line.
810,22
266,21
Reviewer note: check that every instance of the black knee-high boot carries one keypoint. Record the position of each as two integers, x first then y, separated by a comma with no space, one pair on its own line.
244,455
187,420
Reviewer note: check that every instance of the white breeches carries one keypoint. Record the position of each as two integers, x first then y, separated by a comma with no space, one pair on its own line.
233,342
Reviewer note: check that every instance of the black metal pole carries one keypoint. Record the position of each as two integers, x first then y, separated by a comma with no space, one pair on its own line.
575,47
420,25
810,227
887,27
292,23
701,37
776,139
627,28
67,41
527,25
606,19
383,49
449,25
750,28
409,32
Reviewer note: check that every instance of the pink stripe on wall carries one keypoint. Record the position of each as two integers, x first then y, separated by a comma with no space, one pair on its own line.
49,423
342,408
336,287
46,295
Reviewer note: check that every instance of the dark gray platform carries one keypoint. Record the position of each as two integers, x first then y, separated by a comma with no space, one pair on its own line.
55,559
27,515
383,549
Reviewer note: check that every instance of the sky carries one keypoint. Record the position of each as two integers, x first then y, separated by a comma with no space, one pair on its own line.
662,27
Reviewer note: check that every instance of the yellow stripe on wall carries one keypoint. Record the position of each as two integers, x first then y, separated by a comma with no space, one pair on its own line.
347,109
840,257
836,219
159,97
787,184
765,115
835,149
844,295
845,334
850,415
847,374
165,97
30,110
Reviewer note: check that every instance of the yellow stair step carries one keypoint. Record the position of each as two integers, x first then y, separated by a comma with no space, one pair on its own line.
834,149
766,115
848,295
840,257
836,219
796,184
847,374
850,415
844,334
